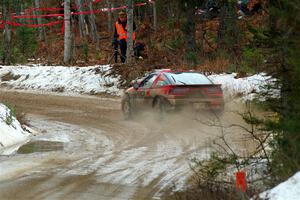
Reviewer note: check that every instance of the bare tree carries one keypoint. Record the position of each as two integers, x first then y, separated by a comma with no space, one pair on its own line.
7,33
93,25
82,23
41,30
189,27
109,16
68,34
228,33
116,3
129,52
18,8
154,15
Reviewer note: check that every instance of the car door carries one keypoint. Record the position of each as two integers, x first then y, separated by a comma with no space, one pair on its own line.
144,97
158,87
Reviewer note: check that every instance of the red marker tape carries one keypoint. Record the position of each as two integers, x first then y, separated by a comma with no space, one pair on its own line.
241,183
14,16
2,24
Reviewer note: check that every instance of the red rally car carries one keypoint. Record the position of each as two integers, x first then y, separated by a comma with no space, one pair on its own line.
166,90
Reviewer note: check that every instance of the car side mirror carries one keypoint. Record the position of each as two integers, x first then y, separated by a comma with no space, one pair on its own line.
135,85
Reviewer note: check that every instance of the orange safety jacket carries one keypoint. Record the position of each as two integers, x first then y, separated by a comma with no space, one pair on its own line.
122,33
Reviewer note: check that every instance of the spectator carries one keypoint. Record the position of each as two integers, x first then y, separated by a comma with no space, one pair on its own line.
120,35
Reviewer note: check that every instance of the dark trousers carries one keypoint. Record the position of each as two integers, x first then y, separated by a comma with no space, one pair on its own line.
123,48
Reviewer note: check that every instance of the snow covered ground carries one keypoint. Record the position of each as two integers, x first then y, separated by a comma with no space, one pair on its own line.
11,133
90,80
288,190
94,79
246,87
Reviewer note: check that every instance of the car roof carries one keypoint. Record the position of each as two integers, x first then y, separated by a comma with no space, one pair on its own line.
161,71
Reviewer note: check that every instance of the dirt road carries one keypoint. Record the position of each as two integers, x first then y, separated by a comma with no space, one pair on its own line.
102,156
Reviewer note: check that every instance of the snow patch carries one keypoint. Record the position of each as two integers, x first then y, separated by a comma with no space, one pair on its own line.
288,190
89,80
12,136
246,87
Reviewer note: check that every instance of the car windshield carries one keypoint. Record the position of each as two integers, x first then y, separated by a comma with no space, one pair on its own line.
147,82
188,78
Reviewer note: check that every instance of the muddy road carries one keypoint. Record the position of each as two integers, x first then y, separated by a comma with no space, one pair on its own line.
92,153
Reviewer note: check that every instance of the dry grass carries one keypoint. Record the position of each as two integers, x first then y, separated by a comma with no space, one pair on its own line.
129,73
217,65
224,192
10,76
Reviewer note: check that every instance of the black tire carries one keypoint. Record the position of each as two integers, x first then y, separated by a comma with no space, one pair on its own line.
160,108
126,107
219,112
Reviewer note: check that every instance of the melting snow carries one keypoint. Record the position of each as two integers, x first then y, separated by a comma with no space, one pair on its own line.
94,79
288,190
247,86
91,80
11,133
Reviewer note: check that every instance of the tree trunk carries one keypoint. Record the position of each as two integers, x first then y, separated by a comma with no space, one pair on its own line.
154,15
189,29
68,34
228,34
22,21
116,3
17,6
82,25
129,53
93,25
223,25
7,33
42,35
109,16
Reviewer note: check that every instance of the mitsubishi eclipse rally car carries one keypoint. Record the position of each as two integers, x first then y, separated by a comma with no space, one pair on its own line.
166,90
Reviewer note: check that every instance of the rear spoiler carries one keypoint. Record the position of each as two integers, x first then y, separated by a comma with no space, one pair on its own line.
199,86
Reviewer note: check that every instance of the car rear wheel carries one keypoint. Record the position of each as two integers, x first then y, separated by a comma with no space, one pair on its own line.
126,107
160,108
218,112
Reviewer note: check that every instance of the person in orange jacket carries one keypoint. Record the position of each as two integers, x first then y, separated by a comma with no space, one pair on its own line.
120,36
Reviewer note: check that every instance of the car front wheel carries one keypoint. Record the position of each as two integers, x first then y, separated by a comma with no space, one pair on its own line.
126,107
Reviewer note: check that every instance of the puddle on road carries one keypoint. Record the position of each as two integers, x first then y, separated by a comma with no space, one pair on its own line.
40,146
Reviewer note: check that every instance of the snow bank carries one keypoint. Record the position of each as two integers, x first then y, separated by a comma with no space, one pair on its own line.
90,80
94,79
246,87
288,190
11,133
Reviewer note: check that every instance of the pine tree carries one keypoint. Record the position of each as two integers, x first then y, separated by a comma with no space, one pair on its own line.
284,40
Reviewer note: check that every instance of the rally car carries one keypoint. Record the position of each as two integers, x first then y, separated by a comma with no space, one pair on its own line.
167,90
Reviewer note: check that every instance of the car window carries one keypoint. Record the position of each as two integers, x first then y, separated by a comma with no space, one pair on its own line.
148,81
162,81
188,78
